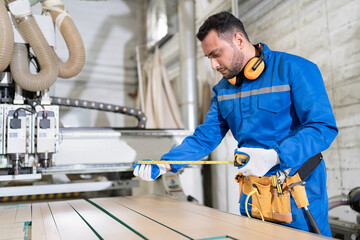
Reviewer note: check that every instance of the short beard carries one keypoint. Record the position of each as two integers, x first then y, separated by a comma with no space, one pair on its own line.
236,63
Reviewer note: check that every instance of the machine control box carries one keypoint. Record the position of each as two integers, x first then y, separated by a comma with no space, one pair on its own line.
46,132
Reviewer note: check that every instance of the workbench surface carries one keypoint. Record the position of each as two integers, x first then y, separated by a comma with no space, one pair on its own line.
136,217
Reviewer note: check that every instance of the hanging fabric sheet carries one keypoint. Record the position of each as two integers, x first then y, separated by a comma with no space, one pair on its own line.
161,108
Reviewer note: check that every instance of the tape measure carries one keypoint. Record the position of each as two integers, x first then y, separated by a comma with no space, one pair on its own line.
185,162
239,160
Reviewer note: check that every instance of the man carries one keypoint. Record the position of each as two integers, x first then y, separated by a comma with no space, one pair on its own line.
281,117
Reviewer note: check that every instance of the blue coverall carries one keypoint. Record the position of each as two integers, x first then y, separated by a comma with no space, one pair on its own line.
286,109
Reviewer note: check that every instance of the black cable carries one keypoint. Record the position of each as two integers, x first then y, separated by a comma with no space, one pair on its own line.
32,103
36,102
33,59
71,102
16,114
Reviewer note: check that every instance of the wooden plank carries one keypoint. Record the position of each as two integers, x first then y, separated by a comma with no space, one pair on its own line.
37,225
241,221
189,223
139,223
12,232
23,213
69,223
153,217
43,224
10,225
9,228
271,230
103,224
8,214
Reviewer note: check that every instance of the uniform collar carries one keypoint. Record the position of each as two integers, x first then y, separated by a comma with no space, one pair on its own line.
266,50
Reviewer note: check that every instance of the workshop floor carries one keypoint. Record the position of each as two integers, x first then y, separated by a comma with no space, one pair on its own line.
137,217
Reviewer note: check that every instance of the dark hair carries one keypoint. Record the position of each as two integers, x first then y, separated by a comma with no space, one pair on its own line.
224,23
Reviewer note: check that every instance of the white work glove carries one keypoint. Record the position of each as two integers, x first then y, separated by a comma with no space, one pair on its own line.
260,161
149,172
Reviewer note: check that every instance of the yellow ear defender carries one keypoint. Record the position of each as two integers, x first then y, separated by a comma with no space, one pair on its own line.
252,70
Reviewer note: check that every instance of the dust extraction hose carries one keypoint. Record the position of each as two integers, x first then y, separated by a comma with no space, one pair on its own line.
71,35
45,54
49,64
6,38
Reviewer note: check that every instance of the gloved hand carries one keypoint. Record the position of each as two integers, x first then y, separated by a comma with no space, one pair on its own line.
260,161
149,172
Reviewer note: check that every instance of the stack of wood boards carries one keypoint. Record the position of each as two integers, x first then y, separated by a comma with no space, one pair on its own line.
136,217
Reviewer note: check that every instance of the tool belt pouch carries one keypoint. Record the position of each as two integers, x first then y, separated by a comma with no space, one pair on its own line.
273,207
298,192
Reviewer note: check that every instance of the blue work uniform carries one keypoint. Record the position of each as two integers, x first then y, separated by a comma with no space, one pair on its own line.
286,109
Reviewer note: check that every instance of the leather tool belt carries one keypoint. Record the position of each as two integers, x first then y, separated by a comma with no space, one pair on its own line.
271,203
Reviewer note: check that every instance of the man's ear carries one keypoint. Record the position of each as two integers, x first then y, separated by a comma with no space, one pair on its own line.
239,40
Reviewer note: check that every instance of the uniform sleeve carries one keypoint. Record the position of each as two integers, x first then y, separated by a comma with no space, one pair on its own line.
205,139
317,122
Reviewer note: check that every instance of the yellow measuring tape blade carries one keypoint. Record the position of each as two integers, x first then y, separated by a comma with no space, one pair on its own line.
185,162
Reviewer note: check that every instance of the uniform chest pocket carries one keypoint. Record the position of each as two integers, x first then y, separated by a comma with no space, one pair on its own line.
274,102
226,107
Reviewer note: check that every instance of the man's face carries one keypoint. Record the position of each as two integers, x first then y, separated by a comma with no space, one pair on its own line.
225,57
